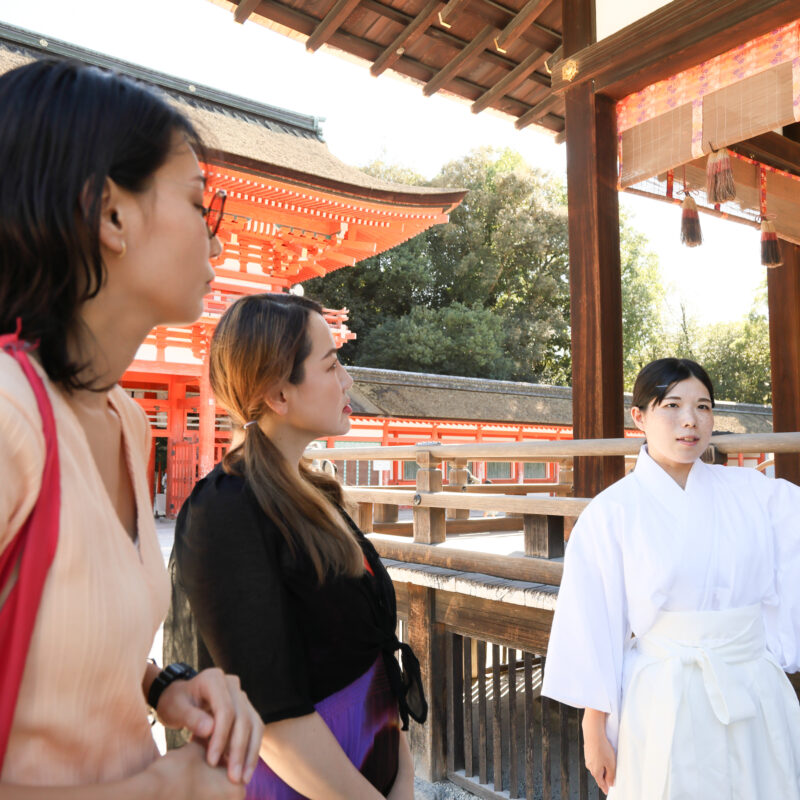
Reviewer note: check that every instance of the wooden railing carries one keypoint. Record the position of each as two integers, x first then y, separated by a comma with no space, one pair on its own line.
489,729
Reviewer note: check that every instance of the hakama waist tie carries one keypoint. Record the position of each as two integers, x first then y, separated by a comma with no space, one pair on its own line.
684,659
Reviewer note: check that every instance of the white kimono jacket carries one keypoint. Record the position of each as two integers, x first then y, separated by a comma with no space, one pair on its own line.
644,545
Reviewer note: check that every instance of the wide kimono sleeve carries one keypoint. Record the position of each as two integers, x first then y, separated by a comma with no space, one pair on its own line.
590,628
227,563
783,619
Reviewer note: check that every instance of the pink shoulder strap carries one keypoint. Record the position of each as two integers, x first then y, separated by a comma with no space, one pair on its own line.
25,562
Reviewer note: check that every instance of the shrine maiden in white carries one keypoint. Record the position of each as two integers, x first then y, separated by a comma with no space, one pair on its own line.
679,612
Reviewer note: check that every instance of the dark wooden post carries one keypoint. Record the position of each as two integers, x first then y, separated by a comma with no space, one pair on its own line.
544,535
595,280
427,639
783,290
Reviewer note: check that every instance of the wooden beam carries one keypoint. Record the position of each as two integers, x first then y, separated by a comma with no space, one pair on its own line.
527,15
330,23
783,292
773,149
511,81
244,10
538,111
412,32
466,56
515,568
679,35
449,9
594,261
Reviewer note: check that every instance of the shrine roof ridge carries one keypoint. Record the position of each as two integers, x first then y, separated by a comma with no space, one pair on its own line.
281,120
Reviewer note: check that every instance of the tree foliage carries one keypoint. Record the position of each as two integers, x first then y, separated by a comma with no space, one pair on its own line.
487,294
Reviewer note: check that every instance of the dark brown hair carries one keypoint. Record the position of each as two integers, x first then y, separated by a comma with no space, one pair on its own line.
64,129
656,379
262,340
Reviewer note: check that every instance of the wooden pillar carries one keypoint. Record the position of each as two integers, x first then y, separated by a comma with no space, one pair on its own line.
427,638
595,278
458,476
783,290
177,423
207,423
429,523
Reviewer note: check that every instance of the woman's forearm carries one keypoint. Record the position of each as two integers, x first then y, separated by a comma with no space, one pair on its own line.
142,785
305,754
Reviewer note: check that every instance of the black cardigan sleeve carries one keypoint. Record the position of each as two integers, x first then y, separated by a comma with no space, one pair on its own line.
227,556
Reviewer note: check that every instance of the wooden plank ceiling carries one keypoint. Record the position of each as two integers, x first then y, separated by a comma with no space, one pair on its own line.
493,54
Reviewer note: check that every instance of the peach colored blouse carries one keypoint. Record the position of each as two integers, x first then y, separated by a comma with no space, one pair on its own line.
81,716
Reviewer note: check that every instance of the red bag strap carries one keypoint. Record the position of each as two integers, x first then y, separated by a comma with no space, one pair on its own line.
24,564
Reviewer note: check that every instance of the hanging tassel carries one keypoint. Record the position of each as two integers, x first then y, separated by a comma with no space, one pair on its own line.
711,168
770,250
720,187
691,235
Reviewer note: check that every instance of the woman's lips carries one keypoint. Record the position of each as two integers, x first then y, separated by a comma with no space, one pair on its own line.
347,409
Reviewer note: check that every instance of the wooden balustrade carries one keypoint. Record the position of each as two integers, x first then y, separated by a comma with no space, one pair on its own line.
482,646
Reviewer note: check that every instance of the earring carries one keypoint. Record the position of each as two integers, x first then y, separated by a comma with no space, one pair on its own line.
123,251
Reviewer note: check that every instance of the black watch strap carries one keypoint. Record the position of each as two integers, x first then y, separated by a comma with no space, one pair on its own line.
174,672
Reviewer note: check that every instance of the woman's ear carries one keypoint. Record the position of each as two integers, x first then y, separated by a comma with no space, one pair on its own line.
113,218
276,400
638,417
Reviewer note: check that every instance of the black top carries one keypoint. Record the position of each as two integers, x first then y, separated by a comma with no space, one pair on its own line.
263,616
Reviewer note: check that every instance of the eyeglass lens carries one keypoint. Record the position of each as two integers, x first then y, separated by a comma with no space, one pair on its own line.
214,216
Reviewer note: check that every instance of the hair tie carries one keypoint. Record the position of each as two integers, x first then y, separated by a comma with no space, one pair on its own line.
248,424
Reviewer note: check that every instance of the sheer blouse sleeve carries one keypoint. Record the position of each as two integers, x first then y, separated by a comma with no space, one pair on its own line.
227,562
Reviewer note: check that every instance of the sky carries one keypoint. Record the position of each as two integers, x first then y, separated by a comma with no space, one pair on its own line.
386,118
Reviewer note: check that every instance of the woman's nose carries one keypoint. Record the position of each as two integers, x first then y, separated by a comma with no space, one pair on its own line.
216,247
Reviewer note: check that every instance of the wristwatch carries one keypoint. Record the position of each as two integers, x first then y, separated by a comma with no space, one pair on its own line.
174,672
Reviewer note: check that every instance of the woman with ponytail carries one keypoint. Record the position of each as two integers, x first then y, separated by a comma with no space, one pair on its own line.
283,588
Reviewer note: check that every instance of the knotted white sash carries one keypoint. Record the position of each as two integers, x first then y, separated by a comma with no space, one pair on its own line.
670,654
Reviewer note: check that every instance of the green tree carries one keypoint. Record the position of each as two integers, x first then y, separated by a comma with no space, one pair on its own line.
502,256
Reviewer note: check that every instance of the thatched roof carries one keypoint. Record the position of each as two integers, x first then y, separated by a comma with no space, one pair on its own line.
253,135
390,393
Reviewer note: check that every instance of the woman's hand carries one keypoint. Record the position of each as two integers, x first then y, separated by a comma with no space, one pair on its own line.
599,755
183,774
216,711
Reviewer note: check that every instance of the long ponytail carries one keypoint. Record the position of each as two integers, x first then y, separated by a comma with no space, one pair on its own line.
262,340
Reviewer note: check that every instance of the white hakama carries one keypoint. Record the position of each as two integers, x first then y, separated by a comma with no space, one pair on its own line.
677,615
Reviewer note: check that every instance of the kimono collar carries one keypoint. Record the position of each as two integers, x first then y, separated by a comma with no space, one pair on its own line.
656,479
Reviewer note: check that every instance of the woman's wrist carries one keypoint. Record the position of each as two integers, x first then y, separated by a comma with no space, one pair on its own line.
150,673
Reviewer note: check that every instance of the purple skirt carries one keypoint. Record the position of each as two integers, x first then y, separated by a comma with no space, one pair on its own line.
363,717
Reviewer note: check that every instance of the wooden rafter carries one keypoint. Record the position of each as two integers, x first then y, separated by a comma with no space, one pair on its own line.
330,23
244,10
511,81
448,10
527,15
465,57
412,32
772,149
673,38
539,111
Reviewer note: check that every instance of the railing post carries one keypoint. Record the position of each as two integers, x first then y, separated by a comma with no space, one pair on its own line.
365,517
427,639
544,535
459,477
429,523
385,513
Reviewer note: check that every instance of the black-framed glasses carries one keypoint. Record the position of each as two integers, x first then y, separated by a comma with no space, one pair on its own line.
213,212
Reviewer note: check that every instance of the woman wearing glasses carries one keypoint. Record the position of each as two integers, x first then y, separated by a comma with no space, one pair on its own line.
104,233
283,587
